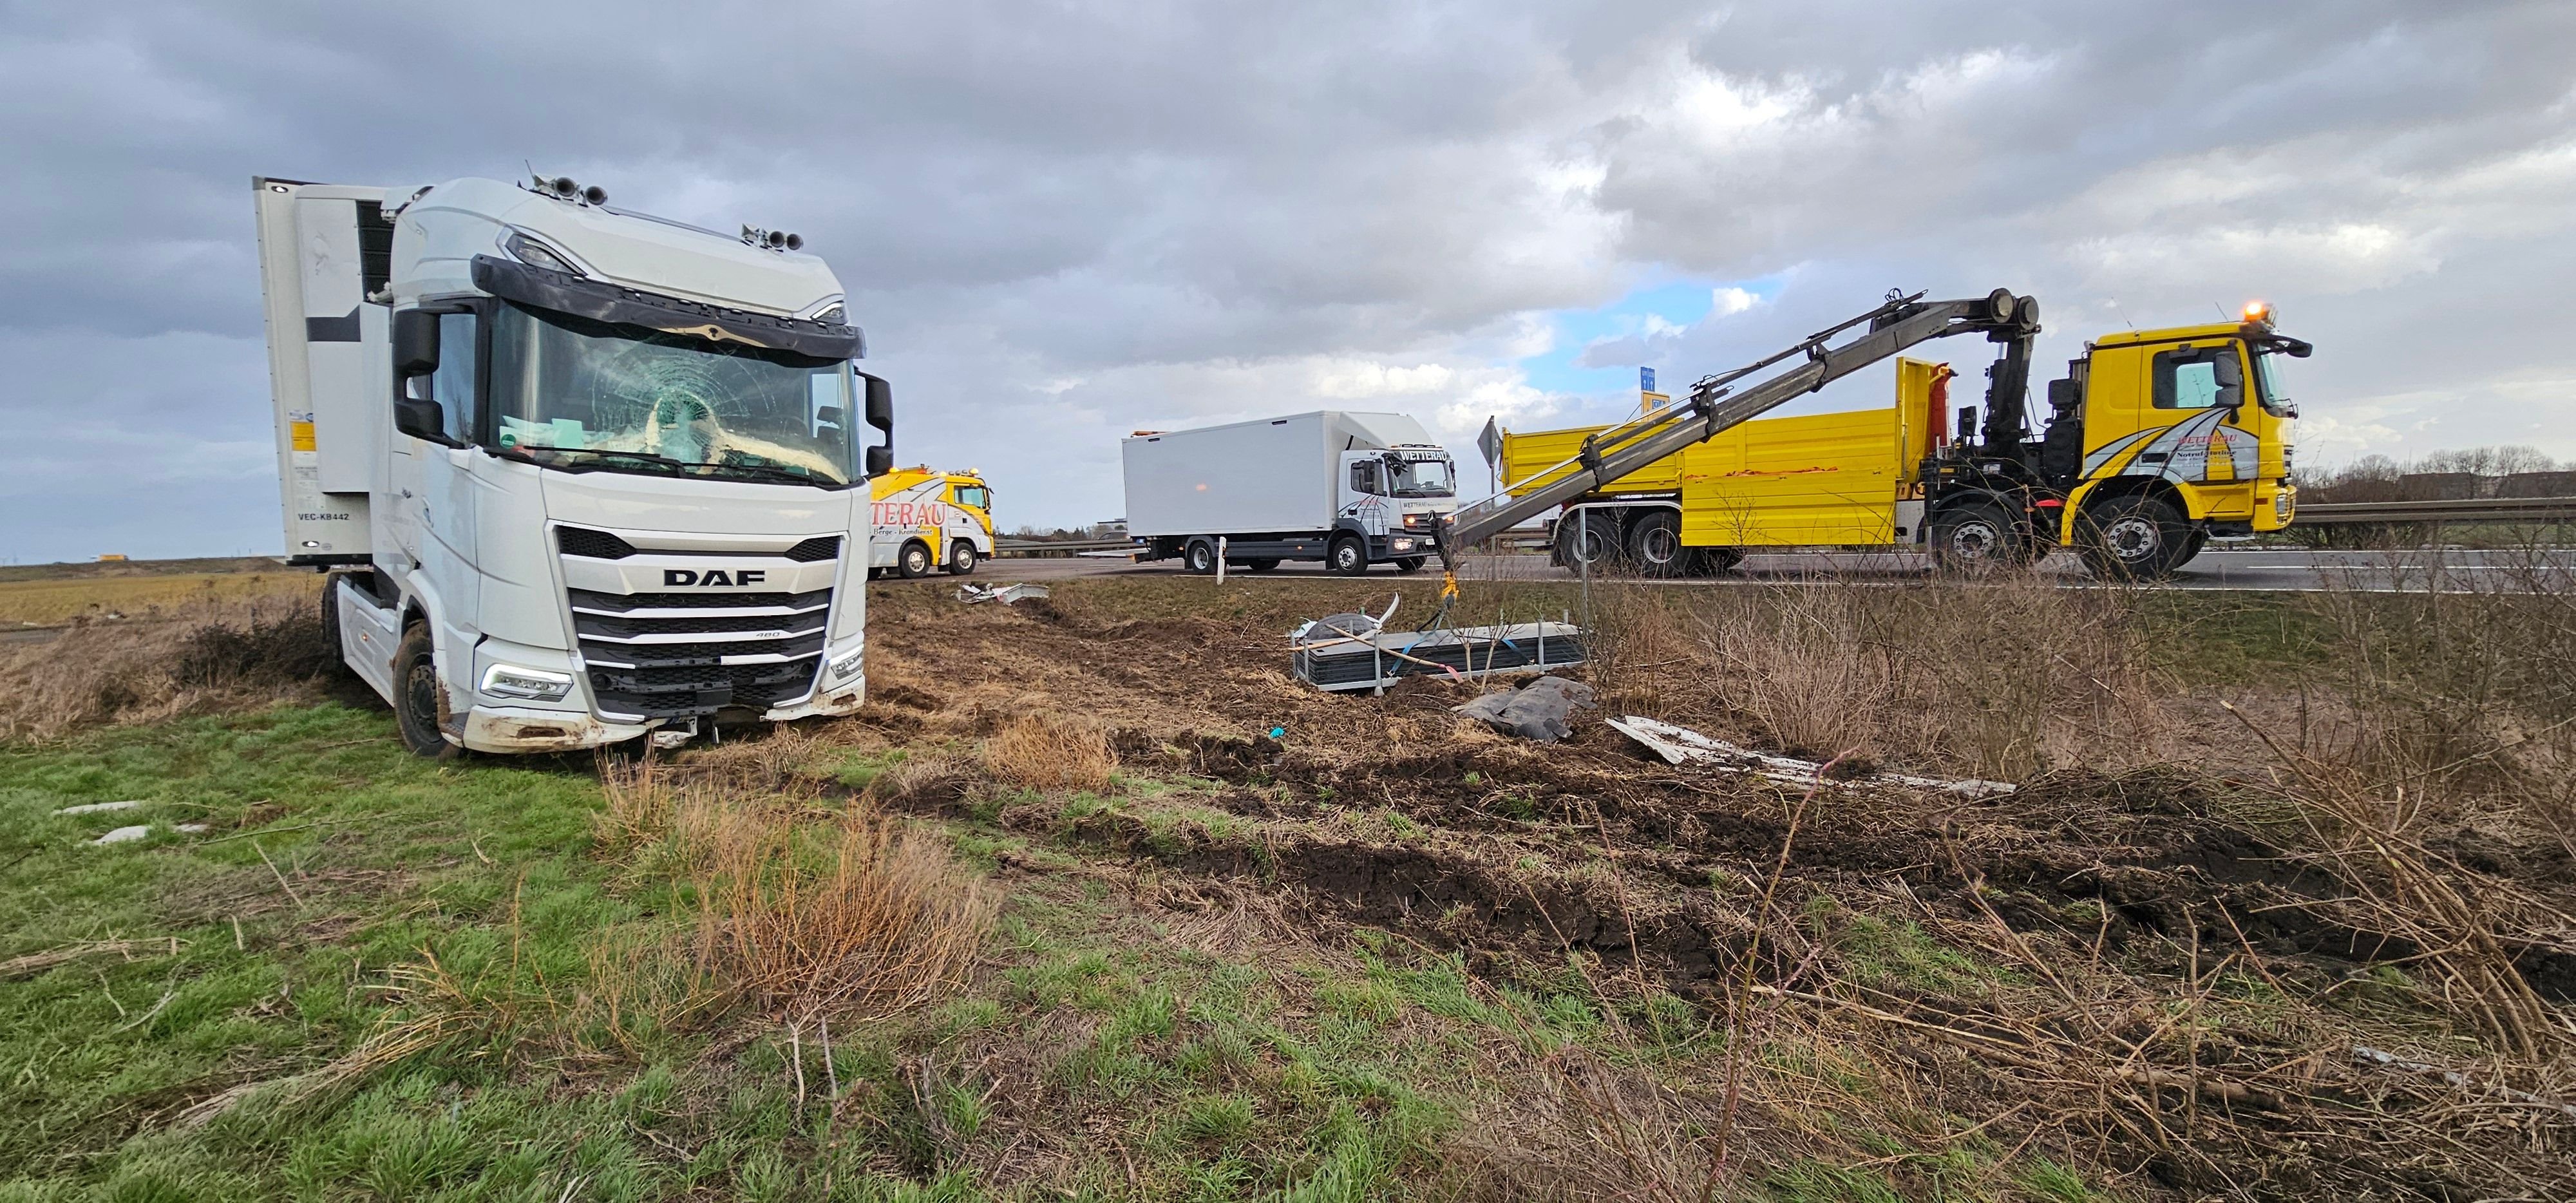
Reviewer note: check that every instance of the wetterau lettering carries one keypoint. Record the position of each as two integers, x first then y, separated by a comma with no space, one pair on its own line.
713,577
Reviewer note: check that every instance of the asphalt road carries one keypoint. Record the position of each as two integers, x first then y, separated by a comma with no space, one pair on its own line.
2421,570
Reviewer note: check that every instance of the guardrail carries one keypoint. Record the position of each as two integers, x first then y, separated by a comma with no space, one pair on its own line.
2469,509
1522,540
1040,547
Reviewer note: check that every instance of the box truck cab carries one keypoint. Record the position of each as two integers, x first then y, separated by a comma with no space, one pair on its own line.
1349,489
922,519
581,475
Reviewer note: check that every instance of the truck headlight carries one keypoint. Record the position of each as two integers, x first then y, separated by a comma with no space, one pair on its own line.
2281,505
533,684
1404,545
846,665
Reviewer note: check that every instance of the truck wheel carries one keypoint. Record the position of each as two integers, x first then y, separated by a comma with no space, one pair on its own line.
1976,537
1410,564
1655,545
1200,559
1348,557
2135,539
335,663
1264,564
1595,543
961,558
418,696
913,561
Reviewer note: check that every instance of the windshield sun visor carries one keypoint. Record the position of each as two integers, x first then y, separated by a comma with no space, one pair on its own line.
564,292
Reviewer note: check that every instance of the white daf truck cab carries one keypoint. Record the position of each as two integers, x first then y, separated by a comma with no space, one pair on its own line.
579,475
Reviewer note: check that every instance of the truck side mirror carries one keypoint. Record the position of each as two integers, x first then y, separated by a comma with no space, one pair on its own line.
422,418
2231,379
880,414
415,343
1967,424
880,401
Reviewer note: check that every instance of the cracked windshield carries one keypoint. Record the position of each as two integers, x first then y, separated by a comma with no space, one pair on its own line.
569,390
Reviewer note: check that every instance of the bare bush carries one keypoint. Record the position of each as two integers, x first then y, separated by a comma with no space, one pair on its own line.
189,657
1050,751
2003,677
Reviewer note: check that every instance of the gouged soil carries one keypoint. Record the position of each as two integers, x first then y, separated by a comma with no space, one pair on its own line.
1389,813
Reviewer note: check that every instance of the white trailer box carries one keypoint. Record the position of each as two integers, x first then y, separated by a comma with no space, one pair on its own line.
1289,488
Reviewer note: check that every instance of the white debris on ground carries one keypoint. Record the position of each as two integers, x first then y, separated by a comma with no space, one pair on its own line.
127,835
1005,594
91,808
1681,745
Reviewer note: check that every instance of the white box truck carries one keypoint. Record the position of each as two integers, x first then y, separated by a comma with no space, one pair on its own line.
1350,489
579,475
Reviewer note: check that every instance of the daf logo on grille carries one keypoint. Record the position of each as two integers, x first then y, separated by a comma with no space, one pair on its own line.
712,577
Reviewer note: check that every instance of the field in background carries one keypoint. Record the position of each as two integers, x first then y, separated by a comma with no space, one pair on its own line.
140,595
1057,917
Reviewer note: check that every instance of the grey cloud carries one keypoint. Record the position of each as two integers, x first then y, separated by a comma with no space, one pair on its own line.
1057,220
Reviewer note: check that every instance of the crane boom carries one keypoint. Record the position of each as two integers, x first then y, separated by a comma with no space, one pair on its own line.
1715,405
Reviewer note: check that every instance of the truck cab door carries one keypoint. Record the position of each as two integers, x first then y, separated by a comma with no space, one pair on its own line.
1363,492
968,510
431,514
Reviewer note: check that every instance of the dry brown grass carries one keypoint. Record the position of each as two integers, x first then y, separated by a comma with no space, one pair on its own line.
1041,750
2006,676
864,920
804,911
196,656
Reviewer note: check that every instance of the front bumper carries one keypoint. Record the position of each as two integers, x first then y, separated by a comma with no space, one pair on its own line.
2275,506
513,730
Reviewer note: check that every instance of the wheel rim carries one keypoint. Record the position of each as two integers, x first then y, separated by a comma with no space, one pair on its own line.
1975,540
1659,545
2132,538
916,561
1346,557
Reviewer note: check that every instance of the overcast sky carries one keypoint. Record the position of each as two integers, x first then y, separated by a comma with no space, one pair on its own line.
1063,222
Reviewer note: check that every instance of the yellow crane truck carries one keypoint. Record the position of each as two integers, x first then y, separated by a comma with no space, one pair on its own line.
2156,441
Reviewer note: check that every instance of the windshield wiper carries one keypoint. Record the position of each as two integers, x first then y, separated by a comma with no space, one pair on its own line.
782,475
677,467
705,468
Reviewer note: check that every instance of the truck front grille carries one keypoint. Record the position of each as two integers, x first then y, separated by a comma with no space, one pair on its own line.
681,655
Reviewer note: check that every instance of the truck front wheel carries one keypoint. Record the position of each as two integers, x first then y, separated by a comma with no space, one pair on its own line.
2135,539
1200,559
1975,537
1348,557
961,558
418,696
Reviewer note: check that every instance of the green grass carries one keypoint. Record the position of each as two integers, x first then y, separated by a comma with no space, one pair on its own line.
340,868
